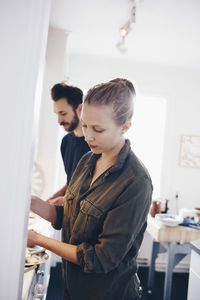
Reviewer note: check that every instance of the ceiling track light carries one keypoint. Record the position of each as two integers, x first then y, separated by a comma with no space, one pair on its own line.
121,46
126,28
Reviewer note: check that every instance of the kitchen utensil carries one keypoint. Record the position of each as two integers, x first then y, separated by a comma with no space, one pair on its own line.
190,213
169,220
155,208
36,259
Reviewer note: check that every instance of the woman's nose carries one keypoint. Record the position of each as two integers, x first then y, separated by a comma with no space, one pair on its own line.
89,135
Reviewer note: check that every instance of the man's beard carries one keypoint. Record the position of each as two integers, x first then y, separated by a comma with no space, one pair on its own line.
73,124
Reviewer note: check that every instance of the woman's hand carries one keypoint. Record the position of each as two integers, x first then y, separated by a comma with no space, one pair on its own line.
32,238
67,251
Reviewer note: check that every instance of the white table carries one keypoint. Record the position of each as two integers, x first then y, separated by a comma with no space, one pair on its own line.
174,240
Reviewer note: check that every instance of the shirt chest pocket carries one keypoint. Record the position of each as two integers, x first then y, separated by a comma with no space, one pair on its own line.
88,223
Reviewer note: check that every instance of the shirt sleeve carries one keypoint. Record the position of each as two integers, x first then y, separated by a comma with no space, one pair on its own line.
123,229
59,220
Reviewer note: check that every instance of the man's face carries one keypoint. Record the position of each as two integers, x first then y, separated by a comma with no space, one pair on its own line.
67,117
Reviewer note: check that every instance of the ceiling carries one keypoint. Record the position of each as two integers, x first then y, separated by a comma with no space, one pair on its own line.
165,32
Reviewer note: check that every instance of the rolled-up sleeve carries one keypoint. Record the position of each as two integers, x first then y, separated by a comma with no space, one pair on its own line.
59,219
121,229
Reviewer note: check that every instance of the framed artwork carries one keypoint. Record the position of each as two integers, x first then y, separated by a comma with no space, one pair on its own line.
190,151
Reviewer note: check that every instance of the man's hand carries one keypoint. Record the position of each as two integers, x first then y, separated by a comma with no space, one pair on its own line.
34,202
43,209
56,201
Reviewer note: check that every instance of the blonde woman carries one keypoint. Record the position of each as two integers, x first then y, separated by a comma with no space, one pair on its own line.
106,204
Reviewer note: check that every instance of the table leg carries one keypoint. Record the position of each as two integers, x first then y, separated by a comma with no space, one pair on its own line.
151,275
176,252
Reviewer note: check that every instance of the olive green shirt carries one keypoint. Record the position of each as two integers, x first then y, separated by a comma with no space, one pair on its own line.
106,221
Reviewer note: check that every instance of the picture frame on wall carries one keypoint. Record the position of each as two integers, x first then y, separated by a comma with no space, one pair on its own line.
189,151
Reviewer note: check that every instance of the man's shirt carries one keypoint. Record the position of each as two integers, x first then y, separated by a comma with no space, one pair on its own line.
72,149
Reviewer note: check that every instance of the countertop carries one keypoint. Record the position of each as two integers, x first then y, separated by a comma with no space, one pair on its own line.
43,227
166,234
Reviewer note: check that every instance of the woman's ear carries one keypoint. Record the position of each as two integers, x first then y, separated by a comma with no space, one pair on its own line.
78,110
126,126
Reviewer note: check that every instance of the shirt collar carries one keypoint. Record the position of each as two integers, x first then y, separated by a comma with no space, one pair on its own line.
120,160
121,157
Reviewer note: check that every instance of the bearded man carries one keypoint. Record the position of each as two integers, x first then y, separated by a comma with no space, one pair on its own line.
67,105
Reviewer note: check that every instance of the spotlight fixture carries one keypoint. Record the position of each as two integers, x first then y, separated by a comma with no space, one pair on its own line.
121,46
126,28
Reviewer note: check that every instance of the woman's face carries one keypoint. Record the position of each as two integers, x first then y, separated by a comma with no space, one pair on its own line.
100,130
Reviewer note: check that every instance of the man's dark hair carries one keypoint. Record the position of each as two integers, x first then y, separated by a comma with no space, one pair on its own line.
73,95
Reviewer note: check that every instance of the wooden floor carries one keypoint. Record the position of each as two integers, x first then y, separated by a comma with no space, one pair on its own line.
179,287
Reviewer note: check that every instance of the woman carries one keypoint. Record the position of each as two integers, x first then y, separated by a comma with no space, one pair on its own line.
106,203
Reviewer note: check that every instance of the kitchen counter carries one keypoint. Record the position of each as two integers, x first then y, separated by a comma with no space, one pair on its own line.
177,241
166,234
41,272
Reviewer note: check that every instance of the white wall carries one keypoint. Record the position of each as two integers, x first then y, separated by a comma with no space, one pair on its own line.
179,86
48,135
23,31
